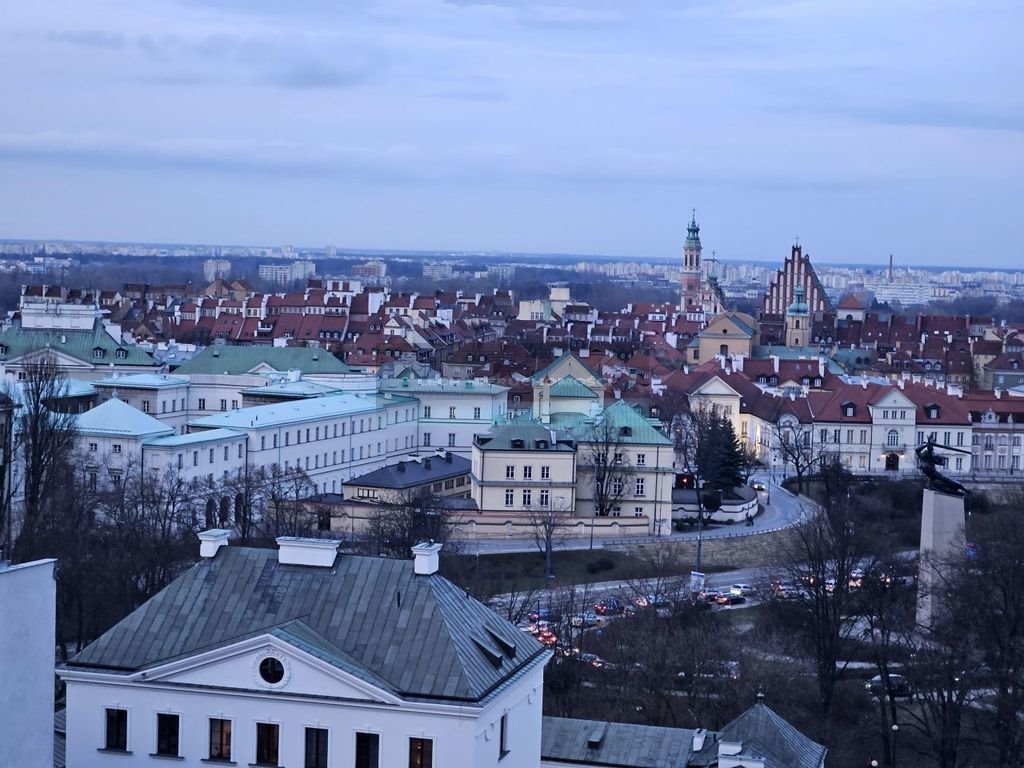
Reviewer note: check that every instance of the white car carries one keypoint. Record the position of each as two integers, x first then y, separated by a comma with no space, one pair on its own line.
741,590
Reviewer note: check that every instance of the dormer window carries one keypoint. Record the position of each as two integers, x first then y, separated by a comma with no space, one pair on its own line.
762,379
817,382
849,409
774,381
1014,364
932,411
626,431
3,349
806,381
98,353
122,354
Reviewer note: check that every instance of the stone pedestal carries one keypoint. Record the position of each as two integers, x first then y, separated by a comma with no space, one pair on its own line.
942,539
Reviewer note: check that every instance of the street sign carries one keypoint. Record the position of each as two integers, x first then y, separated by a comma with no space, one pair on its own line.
697,581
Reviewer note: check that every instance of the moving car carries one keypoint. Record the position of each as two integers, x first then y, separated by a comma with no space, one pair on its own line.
757,485
586,619
901,687
728,598
744,590
610,606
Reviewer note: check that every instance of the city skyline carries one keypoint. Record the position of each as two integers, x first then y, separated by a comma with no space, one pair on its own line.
578,128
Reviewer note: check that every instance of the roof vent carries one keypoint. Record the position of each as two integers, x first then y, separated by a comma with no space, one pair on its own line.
427,558
319,553
699,736
212,540
426,464
596,737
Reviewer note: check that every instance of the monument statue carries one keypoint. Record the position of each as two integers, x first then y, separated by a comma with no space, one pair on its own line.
928,462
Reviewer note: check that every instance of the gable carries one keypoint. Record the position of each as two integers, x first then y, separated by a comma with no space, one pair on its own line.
237,667
894,399
715,387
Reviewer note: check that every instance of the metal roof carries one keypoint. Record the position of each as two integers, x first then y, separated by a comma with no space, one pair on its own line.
767,736
195,438
236,360
620,745
533,436
427,469
570,386
16,341
418,637
116,418
412,386
313,408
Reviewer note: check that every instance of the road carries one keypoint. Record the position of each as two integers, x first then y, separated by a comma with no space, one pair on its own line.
781,509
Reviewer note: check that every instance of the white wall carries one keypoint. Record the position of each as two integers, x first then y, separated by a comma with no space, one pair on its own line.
28,604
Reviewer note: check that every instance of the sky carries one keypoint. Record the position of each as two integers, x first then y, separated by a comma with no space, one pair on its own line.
577,126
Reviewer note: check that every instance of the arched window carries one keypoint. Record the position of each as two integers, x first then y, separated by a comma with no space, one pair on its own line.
724,350
893,438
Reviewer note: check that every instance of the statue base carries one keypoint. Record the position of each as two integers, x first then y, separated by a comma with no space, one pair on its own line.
943,520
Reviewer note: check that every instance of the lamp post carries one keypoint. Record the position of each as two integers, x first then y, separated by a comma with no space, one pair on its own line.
700,521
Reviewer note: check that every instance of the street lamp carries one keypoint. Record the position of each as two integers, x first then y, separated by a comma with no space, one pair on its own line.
700,522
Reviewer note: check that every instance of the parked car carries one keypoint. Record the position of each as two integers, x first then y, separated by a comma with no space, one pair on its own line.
586,619
610,606
547,637
727,598
787,590
544,614
711,595
743,590
901,688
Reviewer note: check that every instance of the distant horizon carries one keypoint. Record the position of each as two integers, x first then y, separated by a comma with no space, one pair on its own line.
483,253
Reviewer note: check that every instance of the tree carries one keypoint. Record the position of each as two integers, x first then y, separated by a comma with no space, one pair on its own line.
796,446
45,441
548,525
606,459
406,519
823,555
282,512
708,448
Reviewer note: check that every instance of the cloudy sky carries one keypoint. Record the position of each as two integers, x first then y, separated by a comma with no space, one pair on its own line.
579,126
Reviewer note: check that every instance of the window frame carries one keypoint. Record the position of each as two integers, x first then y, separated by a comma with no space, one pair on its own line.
269,751
421,752
373,749
115,731
225,752
321,757
160,749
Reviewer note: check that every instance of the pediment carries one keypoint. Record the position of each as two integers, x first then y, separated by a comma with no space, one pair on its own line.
716,387
63,359
238,666
894,398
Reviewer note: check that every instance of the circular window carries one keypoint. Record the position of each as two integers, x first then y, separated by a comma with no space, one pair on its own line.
272,670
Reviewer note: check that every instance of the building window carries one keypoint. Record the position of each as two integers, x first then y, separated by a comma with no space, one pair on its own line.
426,411
545,497
316,748
510,472
421,753
195,458
527,473
426,439
167,728
863,436
116,448
223,405
267,735
527,498
145,406
641,459
271,670
835,435
202,403
94,446
545,473
638,511
117,730
503,737
451,411
510,497
451,439
640,486
367,750
220,739
476,413
893,438
823,437
959,463
959,438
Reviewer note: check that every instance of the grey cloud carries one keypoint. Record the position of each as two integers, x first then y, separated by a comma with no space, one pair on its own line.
89,38
317,75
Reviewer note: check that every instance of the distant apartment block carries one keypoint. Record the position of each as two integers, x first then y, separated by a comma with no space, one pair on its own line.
501,271
437,271
375,269
284,274
216,269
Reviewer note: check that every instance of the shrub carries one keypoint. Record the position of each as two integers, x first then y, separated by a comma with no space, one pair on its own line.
601,564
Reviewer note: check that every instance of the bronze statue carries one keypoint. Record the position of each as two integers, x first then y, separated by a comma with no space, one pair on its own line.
928,462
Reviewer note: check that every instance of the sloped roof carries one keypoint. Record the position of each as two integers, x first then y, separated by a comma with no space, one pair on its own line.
621,414
237,360
570,386
415,636
769,737
620,745
429,469
116,418
502,439
16,341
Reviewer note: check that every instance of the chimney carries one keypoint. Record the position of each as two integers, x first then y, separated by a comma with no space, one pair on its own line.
401,466
998,393
737,363
426,464
448,457
319,553
775,363
699,736
821,366
426,558
212,540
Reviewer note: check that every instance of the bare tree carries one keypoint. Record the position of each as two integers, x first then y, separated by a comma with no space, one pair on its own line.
796,446
45,441
548,525
283,512
405,519
605,458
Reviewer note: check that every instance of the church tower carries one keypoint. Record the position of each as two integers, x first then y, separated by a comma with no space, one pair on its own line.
690,301
798,321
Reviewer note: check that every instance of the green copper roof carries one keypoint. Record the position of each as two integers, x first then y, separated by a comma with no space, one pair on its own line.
570,386
631,427
95,346
237,360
